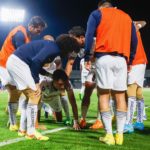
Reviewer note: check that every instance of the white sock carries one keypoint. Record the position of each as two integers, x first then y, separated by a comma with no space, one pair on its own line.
144,113
65,105
121,119
140,109
107,121
12,109
23,119
113,107
31,118
131,109
21,102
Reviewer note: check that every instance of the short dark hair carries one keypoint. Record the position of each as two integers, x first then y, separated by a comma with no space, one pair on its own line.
105,3
67,44
37,21
77,31
59,74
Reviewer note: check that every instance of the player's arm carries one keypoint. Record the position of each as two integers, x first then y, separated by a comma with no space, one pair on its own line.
72,101
18,39
93,22
40,59
69,66
133,47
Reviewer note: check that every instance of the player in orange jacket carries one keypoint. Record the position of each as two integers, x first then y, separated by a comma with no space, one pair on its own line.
17,37
135,85
115,33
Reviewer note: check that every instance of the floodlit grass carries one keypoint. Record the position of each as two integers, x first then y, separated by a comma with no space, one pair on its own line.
72,140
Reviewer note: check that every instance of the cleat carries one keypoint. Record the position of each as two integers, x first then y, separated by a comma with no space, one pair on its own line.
37,136
41,127
13,128
21,133
41,137
97,125
30,137
138,126
119,139
67,122
82,123
128,128
108,139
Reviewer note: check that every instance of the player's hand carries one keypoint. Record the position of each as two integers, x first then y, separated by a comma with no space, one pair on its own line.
88,65
38,90
76,125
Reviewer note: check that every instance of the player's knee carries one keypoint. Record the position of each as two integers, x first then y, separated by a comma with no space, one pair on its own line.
103,91
89,85
31,95
139,94
131,92
14,95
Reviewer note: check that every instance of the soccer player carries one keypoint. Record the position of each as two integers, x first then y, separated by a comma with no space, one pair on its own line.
51,91
24,66
17,37
79,33
115,33
135,85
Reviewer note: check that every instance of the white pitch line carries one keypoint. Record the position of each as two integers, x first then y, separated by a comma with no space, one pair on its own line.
7,142
11,141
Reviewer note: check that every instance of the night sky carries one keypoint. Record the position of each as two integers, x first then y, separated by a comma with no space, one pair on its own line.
61,15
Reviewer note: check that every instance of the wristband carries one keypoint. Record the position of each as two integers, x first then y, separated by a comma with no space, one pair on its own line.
75,121
139,25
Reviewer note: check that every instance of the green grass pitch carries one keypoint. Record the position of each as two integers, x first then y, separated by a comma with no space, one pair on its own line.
69,139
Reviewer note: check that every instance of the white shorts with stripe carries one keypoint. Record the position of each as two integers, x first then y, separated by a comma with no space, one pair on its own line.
111,73
136,75
5,77
20,73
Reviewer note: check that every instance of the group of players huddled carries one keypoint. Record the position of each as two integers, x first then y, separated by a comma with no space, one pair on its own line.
36,73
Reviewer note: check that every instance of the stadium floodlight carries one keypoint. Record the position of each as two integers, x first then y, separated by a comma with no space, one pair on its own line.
12,15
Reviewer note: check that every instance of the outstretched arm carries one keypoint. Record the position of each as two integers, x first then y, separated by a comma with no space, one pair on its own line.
72,101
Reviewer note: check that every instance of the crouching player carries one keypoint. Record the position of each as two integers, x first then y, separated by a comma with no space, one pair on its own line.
51,90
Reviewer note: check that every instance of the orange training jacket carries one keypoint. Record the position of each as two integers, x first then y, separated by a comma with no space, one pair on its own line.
113,34
140,56
8,47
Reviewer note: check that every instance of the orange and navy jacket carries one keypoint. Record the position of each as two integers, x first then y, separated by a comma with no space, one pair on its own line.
8,47
115,33
140,56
